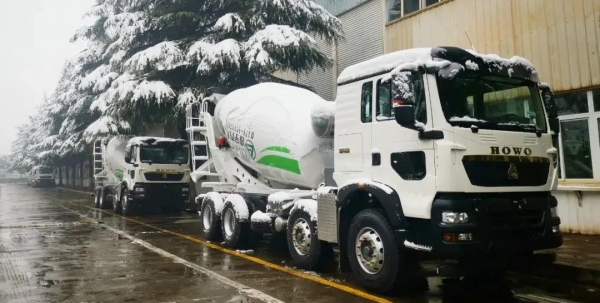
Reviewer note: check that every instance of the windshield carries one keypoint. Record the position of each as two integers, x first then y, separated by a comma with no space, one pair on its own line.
45,170
164,154
492,102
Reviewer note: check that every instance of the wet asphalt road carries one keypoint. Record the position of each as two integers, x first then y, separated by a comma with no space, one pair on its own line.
54,247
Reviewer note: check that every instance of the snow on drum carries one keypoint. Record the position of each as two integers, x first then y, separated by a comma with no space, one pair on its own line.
279,130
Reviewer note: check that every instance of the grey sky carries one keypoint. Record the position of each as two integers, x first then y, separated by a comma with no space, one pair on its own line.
34,44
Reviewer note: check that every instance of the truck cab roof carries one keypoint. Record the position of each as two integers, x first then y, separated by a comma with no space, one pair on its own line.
439,58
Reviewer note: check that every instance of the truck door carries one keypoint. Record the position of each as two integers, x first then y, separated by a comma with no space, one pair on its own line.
400,159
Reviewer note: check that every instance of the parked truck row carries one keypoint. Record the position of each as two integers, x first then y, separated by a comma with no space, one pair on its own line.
426,154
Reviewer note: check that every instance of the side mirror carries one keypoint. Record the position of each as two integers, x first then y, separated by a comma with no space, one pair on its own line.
405,115
554,125
127,159
550,106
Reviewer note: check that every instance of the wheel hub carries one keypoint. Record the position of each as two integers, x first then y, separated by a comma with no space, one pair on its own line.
207,217
369,250
229,222
301,237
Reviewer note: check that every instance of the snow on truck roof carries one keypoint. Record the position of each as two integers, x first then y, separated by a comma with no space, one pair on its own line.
153,140
439,58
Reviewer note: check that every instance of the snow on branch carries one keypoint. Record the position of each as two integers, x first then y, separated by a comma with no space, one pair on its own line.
163,56
213,56
230,23
152,90
104,126
273,38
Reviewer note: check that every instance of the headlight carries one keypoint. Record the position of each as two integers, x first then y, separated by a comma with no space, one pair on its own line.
139,190
455,218
553,212
185,189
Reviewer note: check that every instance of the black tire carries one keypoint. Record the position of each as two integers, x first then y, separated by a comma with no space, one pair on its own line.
103,203
239,231
97,197
391,269
310,254
210,226
254,237
126,207
117,204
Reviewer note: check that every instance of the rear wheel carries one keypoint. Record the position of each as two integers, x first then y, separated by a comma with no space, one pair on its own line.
97,197
235,225
306,250
210,221
373,254
104,204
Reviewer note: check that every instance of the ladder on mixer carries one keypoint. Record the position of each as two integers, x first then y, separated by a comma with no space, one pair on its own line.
202,164
98,161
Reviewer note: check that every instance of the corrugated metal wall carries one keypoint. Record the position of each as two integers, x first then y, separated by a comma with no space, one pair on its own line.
363,29
337,7
560,37
321,81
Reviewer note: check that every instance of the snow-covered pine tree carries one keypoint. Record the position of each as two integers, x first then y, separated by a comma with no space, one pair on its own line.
149,57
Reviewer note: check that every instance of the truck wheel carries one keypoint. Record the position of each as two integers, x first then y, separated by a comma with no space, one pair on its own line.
373,253
97,197
234,230
117,204
210,221
126,208
103,198
306,250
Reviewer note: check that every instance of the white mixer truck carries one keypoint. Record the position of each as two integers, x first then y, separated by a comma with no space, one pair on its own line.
432,153
135,174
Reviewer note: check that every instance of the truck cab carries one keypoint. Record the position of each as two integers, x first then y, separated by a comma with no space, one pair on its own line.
455,146
144,173
40,176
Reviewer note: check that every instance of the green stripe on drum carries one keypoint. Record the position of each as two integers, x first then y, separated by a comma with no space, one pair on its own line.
287,164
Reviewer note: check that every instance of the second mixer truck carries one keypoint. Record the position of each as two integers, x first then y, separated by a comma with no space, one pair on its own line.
432,153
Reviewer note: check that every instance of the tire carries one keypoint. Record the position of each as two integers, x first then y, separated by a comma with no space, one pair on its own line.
103,203
306,250
117,204
97,197
126,207
384,268
210,222
235,233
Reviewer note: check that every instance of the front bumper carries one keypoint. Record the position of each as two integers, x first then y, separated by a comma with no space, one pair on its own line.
163,194
500,225
44,181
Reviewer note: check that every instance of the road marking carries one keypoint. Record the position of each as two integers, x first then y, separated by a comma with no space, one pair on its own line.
251,292
338,286
545,298
77,223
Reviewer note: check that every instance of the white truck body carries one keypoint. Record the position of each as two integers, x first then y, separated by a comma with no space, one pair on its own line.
436,151
148,170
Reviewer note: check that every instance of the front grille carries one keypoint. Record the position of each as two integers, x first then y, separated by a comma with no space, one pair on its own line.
163,177
495,171
517,224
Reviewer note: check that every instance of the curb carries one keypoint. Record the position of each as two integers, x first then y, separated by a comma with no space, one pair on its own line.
554,271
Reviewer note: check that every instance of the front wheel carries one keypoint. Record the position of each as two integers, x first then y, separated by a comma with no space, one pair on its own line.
97,197
117,204
373,254
126,207
306,250
103,203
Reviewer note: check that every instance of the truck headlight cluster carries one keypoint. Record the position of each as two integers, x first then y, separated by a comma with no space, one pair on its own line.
455,218
139,189
185,189
553,212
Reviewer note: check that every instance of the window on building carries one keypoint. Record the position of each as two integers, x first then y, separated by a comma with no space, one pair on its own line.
366,103
579,146
399,8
